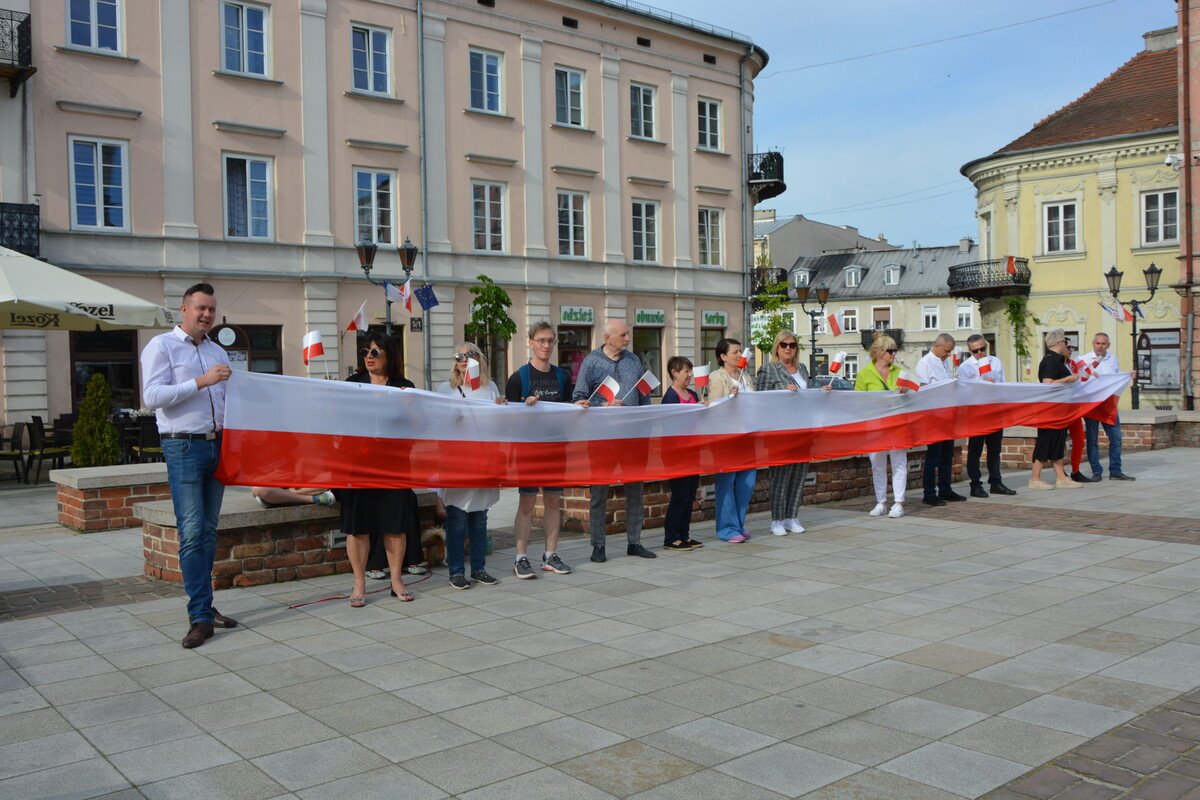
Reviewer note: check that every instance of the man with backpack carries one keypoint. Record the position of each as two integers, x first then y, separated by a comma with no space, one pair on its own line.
535,382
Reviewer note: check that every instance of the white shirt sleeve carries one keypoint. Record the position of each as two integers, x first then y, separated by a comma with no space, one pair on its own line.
157,389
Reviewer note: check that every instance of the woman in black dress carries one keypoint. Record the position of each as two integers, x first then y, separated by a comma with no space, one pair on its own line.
387,513
1051,443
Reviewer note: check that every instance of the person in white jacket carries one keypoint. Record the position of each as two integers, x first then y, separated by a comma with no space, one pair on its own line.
989,369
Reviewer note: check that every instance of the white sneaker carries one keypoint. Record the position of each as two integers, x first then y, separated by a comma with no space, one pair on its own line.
879,509
777,528
793,525
896,512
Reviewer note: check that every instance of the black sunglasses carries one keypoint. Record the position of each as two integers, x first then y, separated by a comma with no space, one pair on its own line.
979,350
893,351
374,352
789,345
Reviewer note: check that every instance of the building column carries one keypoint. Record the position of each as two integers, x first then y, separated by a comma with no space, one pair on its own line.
616,306
437,237
685,328
537,308
23,367
680,179
315,112
179,195
535,190
610,130
445,333
320,314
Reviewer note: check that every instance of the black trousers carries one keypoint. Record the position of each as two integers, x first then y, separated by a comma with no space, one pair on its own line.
935,477
678,523
975,444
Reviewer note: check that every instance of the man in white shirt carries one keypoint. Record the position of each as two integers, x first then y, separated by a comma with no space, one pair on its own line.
183,380
939,456
987,368
1105,363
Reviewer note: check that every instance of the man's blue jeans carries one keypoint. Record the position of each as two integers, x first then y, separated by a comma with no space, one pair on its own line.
1113,432
462,526
197,496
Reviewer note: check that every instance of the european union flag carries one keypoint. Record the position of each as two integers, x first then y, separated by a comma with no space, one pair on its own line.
426,297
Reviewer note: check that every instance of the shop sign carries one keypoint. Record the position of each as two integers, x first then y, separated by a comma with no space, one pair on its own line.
714,319
647,317
576,315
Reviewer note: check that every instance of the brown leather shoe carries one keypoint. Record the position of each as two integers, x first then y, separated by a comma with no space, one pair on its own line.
222,621
197,634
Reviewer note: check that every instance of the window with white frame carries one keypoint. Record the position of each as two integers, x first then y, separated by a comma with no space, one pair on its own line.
891,275
99,184
487,201
645,230
568,97
931,317
709,124
881,318
800,278
244,38
249,197
572,224
850,368
370,56
964,317
1060,227
853,277
374,208
1160,217
641,110
95,24
485,81
710,236
849,320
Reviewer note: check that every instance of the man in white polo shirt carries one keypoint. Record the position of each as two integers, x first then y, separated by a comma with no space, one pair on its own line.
939,456
1105,364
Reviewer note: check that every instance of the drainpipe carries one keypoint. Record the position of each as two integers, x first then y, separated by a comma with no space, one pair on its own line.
426,335
1185,46
747,221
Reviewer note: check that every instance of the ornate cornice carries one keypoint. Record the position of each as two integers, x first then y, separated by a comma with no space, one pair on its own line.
1062,313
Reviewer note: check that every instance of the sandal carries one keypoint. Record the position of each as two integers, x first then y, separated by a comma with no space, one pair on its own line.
405,596
357,600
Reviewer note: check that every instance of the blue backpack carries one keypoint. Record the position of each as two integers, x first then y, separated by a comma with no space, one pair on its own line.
527,380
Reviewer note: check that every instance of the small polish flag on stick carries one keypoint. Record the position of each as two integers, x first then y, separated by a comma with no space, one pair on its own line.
401,295
608,389
359,323
984,365
312,346
647,383
834,326
957,354
744,359
700,375
835,366
908,380
1011,266
473,379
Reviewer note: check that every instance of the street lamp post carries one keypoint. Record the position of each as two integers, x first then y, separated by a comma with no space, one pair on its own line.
1113,277
802,293
366,260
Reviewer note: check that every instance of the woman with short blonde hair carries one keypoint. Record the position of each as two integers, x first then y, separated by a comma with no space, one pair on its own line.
785,482
881,374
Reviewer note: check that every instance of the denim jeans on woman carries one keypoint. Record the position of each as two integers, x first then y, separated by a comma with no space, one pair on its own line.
733,501
461,527
196,495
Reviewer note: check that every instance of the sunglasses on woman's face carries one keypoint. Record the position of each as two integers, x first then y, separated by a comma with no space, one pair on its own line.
892,352
461,357
374,352
788,345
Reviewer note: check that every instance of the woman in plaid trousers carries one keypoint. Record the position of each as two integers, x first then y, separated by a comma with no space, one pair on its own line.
786,481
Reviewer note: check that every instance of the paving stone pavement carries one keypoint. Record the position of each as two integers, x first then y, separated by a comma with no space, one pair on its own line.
928,657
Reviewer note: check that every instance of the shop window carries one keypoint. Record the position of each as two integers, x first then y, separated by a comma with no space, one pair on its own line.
708,345
647,345
114,355
574,344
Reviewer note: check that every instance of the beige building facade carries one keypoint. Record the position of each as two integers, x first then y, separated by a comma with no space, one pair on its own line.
587,155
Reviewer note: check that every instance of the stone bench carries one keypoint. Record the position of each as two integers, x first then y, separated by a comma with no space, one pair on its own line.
257,545
94,499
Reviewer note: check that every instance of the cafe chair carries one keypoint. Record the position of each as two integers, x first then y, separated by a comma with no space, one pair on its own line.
40,450
14,450
149,444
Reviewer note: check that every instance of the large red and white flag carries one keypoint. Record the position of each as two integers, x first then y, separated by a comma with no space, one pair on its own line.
908,380
608,388
288,431
835,366
835,327
359,323
312,346
700,375
473,379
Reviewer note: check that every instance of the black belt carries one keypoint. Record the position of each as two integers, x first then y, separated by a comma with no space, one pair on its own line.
192,437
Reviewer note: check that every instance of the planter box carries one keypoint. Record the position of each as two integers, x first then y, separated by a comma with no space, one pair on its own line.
94,499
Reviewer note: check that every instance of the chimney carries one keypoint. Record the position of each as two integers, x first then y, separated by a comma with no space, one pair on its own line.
965,244
1161,39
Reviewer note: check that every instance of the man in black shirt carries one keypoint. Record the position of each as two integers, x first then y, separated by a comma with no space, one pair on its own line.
535,382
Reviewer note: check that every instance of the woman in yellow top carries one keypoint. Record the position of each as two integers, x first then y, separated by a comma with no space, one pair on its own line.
881,375
733,488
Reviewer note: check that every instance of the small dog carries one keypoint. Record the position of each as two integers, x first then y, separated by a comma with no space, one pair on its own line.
433,545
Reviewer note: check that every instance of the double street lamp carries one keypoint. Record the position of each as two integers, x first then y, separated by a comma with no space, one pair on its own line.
1113,277
802,294
366,260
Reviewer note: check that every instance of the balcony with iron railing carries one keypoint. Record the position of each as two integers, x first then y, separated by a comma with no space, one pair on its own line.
19,228
991,279
16,49
765,176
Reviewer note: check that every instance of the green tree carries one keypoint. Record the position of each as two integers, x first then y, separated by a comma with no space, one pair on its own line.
490,327
770,306
1019,317
94,439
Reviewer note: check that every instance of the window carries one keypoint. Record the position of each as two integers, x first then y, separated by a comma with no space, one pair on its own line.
485,81
709,124
849,320
964,317
488,210
850,368
113,354
574,345
645,230
370,63
99,185
572,224
710,236
881,317
641,111
708,345
254,348
244,38
853,277
985,246
1160,217
891,275
373,207
800,278
647,345
931,317
95,24
248,197
1059,220
568,97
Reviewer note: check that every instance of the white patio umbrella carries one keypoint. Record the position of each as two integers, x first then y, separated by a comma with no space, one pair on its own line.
35,295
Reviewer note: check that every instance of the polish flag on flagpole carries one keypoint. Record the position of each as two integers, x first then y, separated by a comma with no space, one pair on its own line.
647,383
1011,266
744,359
835,366
700,375
312,346
359,323
908,380
473,379
984,365
608,389
401,295
834,326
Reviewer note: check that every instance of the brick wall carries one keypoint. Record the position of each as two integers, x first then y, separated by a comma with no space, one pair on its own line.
106,509
1187,434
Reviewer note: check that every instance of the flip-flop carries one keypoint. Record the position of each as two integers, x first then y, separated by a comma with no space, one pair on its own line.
357,600
404,597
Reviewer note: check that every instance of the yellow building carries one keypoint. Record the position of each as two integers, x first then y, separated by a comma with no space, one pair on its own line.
1088,188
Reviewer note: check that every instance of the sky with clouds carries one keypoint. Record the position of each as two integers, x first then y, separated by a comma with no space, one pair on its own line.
877,142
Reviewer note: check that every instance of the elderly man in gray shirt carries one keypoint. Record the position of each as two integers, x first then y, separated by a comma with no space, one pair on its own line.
613,360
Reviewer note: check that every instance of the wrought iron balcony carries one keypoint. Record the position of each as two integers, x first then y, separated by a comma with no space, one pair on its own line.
989,280
19,228
868,336
765,176
16,49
